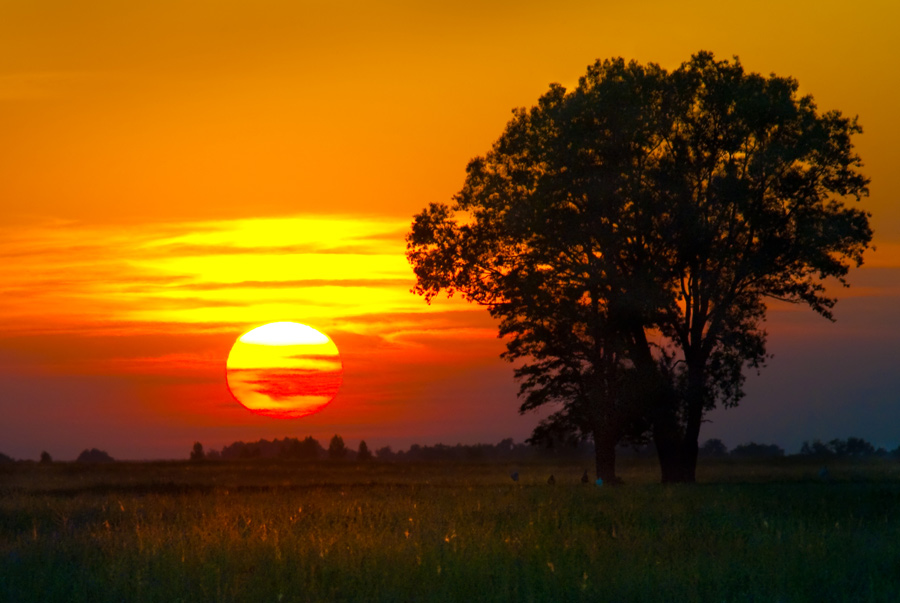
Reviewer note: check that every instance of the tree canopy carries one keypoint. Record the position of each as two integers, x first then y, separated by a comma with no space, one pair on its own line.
337,450
627,234
94,455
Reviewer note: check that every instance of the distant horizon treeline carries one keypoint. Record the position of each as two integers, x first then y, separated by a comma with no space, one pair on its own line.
310,449
507,449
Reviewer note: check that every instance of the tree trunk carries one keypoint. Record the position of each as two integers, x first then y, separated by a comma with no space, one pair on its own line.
605,455
688,460
666,438
696,390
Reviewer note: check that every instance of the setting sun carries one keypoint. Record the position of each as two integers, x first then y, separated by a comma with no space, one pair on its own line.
284,370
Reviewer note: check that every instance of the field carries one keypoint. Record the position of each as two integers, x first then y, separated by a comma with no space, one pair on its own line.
268,531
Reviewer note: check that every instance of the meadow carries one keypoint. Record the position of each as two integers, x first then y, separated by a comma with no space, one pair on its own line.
270,531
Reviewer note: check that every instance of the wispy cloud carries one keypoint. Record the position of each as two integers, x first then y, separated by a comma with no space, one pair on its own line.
227,272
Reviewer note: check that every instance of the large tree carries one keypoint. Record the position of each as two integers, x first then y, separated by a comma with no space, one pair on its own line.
545,233
754,179
627,233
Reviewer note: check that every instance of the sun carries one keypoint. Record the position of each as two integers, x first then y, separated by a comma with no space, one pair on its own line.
284,370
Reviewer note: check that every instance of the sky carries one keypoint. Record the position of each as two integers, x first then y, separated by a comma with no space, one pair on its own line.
174,174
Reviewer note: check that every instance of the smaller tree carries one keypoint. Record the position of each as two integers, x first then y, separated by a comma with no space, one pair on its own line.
309,448
46,459
817,449
5,459
94,456
336,449
363,454
197,453
713,448
855,447
386,453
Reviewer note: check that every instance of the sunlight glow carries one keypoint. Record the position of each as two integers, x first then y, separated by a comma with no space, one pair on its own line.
284,370
284,333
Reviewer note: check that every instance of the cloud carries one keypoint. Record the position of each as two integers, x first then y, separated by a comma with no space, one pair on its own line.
237,272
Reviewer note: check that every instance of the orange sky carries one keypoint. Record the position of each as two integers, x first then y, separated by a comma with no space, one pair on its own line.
174,173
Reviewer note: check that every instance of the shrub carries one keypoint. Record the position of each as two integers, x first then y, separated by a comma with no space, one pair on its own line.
94,456
757,451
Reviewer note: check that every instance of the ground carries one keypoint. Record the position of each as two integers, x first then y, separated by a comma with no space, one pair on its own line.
261,530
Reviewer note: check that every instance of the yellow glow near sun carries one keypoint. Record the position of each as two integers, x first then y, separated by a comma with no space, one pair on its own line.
284,345
284,333
261,269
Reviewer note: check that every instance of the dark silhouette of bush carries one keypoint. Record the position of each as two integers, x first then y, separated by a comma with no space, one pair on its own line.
855,447
851,447
46,458
713,448
250,452
752,450
385,453
288,448
310,449
817,449
5,459
363,454
94,456
197,453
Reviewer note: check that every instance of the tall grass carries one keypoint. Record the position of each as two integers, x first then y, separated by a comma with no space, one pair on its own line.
278,531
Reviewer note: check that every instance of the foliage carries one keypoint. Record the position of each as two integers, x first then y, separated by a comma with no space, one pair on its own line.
336,448
851,447
290,448
505,450
197,453
94,456
310,449
385,453
363,453
5,459
646,202
714,448
45,457
757,451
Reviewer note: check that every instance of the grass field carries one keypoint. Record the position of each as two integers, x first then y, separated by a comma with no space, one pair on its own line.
267,531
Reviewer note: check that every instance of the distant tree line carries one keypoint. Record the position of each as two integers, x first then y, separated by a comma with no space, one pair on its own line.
849,448
504,450
309,449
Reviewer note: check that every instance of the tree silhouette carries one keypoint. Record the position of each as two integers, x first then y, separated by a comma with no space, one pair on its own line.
336,448
197,453
363,453
647,202
714,448
385,453
816,448
309,448
46,458
754,450
851,447
94,455
555,247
